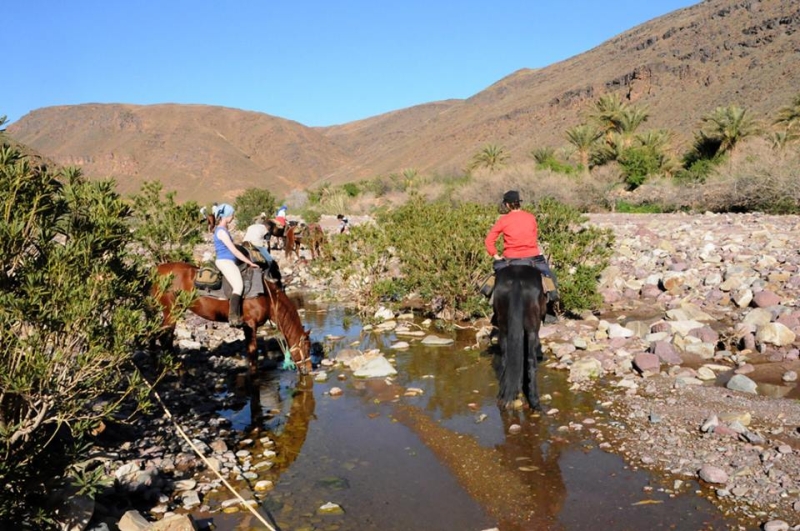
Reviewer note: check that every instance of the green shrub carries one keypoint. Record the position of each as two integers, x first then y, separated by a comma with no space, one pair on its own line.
166,230
311,215
251,203
626,207
73,305
577,253
435,252
637,163
351,189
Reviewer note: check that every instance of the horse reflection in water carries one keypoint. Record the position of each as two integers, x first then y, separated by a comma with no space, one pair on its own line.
283,406
517,482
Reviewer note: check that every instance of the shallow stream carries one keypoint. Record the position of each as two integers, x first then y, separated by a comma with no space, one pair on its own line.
444,459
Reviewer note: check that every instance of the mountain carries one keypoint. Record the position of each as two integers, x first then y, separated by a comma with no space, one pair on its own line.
681,66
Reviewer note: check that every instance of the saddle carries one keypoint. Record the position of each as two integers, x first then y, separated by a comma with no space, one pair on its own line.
210,282
487,285
254,254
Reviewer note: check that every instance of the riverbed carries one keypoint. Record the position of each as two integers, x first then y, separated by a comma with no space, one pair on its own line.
429,449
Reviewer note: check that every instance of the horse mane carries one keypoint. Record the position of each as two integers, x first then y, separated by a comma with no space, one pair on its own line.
284,314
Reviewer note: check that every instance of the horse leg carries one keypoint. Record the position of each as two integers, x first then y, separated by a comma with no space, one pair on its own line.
251,340
533,349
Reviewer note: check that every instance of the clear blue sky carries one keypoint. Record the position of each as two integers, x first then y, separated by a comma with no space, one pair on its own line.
318,62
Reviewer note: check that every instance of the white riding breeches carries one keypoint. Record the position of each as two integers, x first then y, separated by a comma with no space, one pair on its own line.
230,271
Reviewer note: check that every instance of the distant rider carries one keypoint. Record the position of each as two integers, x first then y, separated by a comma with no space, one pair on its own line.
256,235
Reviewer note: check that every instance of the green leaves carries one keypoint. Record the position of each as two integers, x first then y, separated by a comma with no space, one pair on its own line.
253,202
435,252
168,231
73,305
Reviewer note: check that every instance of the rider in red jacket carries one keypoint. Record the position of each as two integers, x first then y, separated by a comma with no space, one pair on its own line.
520,240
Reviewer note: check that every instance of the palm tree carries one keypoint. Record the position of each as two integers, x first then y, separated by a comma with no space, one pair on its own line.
790,115
543,154
492,157
729,126
781,139
629,120
606,112
583,137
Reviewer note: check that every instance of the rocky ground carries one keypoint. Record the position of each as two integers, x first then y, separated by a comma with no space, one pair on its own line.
696,356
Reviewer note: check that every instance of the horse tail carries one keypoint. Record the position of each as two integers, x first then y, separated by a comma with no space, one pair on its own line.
513,365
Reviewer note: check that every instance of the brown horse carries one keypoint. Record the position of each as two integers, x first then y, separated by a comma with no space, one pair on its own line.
312,236
272,305
211,221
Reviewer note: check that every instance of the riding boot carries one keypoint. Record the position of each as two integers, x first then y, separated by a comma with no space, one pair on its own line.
235,311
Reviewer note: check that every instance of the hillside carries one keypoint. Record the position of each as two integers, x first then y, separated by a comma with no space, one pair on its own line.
681,66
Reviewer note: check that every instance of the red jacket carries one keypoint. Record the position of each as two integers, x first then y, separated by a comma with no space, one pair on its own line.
520,235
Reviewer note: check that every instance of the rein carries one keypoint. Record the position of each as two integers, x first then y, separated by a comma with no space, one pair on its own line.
288,361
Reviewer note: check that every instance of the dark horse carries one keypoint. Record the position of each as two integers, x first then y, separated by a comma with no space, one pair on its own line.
520,303
272,305
312,236
276,231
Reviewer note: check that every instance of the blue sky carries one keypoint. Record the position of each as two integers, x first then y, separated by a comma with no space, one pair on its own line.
313,61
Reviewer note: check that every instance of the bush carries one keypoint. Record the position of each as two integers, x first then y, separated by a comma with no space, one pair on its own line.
166,230
72,308
251,203
435,252
351,189
578,253
637,163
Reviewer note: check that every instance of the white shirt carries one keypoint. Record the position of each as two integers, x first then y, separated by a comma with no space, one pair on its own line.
255,234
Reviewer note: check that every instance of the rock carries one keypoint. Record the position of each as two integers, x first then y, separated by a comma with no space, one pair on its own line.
375,368
347,355
709,424
435,341
757,317
400,345
743,298
647,363
336,391
776,525
384,314
765,299
713,474
190,499
740,382
133,521
585,369
264,485
666,352
789,376
330,508
742,417
177,522
775,334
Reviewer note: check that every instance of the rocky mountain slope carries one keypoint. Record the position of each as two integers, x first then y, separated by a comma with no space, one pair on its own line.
680,65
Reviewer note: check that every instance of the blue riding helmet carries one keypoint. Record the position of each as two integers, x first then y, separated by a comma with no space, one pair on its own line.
224,210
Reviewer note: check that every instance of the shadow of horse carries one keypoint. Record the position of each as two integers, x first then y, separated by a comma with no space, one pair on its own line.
272,305
520,304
